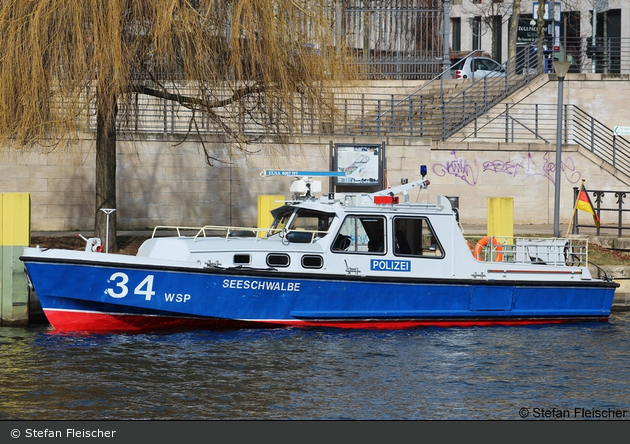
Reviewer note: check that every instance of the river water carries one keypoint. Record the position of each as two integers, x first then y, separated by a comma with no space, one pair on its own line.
424,373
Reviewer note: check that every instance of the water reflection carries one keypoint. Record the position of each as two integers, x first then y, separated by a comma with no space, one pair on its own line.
431,373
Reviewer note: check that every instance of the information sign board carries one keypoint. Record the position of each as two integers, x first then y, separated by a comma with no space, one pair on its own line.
361,163
527,33
557,11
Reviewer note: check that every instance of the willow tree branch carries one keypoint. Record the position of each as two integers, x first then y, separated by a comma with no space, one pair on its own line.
190,101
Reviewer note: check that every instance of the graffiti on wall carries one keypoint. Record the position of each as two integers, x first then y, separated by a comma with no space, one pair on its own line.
529,166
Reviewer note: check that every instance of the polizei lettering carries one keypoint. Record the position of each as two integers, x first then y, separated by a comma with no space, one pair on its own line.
390,265
246,284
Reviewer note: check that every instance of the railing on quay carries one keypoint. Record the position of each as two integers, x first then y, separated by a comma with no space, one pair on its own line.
392,39
611,210
437,109
485,93
604,55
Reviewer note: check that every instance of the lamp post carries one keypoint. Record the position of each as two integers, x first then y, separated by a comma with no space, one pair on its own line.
561,69
446,60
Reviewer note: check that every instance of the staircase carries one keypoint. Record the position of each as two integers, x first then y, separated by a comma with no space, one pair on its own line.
437,110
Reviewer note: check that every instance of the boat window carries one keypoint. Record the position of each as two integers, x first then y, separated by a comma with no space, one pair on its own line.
312,221
240,259
280,221
316,222
415,237
312,261
278,260
361,234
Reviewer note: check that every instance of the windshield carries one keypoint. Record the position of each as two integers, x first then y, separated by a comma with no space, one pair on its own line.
280,222
313,221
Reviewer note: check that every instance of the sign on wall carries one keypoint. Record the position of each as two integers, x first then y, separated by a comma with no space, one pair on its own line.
557,11
361,163
527,33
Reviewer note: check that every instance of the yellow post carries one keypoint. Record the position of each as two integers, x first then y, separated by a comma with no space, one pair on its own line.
501,217
266,203
15,234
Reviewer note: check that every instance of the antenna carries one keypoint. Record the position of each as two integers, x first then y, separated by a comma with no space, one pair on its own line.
107,211
303,183
422,184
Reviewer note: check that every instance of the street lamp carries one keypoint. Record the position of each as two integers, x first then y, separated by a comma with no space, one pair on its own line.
561,69
446,61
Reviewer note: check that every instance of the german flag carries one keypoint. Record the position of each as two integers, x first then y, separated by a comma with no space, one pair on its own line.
584,203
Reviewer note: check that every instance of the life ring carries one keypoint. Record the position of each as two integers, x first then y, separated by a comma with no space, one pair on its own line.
483,242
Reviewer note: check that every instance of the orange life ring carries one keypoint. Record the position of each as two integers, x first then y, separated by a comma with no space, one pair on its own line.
483,242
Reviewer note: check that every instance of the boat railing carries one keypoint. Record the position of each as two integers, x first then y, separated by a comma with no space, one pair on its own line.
178,229
213,231
522,250
228,232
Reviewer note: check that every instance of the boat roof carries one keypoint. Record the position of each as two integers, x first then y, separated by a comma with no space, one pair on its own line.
381,201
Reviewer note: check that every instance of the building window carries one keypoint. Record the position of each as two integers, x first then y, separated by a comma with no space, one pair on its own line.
497,40
475,26
456,25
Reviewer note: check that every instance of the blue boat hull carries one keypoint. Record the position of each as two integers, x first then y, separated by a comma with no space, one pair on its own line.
81,297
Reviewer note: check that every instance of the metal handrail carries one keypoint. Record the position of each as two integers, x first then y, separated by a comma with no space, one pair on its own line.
358,113
411,114
526,122
439,77
601,140
479,97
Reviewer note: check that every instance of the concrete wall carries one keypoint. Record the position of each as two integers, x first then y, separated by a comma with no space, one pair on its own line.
167,182
605,97
162,184
526,171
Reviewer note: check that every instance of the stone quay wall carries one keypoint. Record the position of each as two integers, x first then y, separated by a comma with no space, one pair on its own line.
167,182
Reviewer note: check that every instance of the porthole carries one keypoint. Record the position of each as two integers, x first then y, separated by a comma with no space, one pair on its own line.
312,261
242,259
278,260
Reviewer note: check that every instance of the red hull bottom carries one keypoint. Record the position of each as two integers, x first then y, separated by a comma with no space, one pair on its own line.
90,322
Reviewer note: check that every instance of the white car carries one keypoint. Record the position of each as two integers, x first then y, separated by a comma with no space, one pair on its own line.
477,67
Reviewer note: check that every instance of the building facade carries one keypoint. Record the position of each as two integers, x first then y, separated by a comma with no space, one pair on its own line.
483,25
